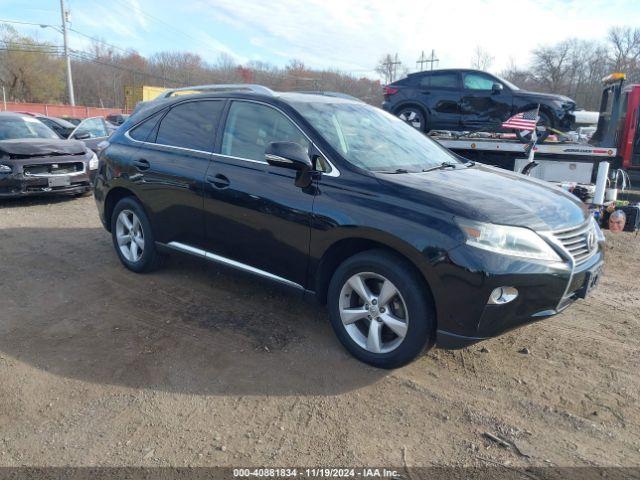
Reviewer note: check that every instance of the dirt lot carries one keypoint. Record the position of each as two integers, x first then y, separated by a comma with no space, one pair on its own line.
194,365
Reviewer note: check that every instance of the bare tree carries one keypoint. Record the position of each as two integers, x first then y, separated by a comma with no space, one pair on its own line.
482,59
625,54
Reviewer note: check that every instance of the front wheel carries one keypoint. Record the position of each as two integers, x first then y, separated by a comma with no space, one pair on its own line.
379,309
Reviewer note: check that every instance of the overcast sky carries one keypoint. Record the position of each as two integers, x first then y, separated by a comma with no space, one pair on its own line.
349,35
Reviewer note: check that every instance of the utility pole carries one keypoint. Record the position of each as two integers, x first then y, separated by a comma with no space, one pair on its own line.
421,61
433,59
65,15
392,67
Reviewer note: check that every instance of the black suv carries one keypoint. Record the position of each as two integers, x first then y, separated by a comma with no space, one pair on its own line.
470,100
408,245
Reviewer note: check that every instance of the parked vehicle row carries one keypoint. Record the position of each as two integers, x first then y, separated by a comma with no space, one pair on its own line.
347,203
34,160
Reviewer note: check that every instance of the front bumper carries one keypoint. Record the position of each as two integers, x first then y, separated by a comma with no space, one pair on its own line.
20,185
543,291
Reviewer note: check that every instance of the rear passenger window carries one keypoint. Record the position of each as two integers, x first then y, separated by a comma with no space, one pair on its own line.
440,80
142,131
251,127
191,125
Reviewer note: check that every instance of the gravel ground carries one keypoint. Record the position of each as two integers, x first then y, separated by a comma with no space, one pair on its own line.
195,365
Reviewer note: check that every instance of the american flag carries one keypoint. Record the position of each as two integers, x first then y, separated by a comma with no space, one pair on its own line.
522,121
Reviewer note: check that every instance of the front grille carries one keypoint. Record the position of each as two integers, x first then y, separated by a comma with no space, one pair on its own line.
48,169
576,241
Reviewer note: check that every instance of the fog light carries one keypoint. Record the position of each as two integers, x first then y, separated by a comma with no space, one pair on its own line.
502,295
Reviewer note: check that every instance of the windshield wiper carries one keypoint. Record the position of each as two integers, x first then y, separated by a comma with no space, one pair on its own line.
398,170
440,167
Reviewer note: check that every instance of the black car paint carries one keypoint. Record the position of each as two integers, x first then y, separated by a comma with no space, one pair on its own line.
20,153
252,213
467,109
59,125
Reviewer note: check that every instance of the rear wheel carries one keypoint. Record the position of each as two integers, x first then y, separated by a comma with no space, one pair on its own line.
132,236
414,117
379,309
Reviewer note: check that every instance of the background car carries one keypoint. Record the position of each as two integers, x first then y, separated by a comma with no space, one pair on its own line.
470,100
92,131
34,160
117,118
61,126
74,120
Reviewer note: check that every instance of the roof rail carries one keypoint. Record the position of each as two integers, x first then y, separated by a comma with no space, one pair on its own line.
329,94
230,87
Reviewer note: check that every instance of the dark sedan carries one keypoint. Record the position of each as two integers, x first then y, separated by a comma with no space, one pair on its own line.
61,126
470,100
35,161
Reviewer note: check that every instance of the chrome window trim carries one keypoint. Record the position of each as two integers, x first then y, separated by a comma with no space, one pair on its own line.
334,170
126,134
231,263
277,158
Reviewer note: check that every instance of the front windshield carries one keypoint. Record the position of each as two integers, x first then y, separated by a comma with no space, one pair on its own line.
371,138
12,128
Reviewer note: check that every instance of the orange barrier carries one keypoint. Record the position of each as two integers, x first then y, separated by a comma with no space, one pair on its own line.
54,110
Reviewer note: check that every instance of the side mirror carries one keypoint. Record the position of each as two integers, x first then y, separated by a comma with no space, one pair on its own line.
293,156
287,155
497,88
81,135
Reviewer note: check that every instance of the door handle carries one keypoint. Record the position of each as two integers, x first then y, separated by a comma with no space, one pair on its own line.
142,164
218,180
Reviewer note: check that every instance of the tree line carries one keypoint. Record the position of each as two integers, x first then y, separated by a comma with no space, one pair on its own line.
33,70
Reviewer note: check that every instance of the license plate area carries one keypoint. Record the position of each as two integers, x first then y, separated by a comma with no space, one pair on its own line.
61,181
591,280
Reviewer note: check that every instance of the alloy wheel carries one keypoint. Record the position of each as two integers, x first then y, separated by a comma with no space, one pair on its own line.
373,312
130,235
412,118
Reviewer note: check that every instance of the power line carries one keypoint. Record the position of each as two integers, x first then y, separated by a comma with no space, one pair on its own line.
43,25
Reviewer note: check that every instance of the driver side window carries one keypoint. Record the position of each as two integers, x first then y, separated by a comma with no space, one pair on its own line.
478,81
250,127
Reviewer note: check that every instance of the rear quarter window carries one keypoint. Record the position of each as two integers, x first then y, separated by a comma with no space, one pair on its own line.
191,125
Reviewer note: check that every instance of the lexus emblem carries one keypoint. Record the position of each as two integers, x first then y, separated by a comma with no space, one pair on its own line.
591,240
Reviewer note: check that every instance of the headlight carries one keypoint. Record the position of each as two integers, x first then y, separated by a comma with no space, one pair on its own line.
5,168
93,161
512,241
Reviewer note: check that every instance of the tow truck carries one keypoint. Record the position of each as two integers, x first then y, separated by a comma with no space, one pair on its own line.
616,140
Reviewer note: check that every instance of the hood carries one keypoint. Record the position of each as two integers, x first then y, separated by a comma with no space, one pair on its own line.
543,96
40,147
492,195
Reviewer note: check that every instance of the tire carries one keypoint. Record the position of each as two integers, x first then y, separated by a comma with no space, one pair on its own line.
413,116
541,130
135,246
405,325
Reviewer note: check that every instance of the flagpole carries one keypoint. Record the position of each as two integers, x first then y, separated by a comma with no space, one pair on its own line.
534,137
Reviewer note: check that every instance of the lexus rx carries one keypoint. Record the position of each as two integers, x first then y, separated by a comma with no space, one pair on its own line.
407,244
